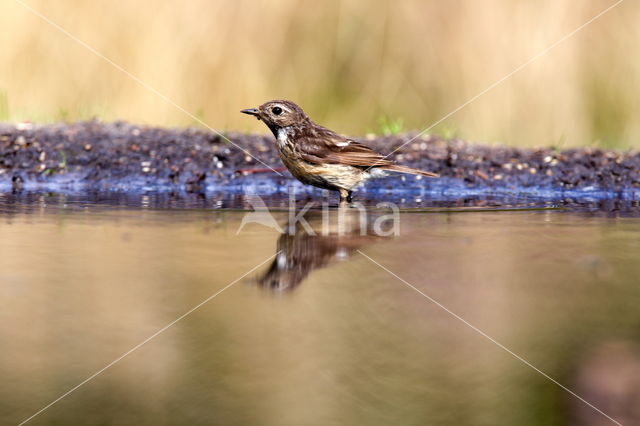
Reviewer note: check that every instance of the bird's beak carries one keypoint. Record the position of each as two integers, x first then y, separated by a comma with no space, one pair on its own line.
251,111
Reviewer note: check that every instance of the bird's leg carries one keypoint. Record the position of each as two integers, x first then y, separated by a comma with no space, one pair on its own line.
345,196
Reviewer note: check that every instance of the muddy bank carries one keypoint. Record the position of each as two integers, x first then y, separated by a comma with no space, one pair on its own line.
103,154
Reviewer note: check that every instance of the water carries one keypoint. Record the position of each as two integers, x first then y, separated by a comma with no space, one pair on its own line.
316,330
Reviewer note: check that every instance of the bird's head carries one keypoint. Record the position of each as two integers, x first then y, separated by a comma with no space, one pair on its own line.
278,114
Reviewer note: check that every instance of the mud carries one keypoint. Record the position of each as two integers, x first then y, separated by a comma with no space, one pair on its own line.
104,155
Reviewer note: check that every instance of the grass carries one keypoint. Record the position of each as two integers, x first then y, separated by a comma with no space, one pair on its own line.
389,126
4,106
199,115
63,160
345,63
447,132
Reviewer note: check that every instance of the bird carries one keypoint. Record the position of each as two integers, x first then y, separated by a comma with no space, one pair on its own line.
317,242
321,157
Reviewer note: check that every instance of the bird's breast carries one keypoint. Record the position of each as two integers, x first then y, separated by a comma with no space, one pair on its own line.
328,176
283,140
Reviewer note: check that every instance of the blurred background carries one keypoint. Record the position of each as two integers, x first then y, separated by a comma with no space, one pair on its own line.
353,65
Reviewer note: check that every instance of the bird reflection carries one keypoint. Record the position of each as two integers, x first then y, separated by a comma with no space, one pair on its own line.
318,240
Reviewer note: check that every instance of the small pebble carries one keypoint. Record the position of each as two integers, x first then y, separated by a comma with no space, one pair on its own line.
24,126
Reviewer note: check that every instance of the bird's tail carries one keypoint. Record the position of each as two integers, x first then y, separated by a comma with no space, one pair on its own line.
404,169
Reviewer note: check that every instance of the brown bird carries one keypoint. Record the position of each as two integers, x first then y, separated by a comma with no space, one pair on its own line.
320,157
321,240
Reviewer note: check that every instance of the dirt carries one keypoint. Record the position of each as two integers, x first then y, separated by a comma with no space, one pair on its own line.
116,152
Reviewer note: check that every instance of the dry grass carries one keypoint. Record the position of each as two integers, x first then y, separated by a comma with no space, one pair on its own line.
350,64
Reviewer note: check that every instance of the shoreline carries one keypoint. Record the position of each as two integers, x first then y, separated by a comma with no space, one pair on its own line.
123,156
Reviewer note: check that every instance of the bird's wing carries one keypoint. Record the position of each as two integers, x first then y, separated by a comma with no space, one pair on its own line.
330,148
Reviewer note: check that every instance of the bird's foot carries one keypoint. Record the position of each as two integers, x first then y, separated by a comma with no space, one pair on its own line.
346,196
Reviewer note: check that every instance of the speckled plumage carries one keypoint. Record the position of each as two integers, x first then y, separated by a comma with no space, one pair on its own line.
320,157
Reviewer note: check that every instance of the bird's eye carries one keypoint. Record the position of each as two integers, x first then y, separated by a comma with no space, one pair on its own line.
277,110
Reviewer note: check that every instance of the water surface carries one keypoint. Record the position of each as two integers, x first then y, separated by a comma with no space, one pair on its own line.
312,331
